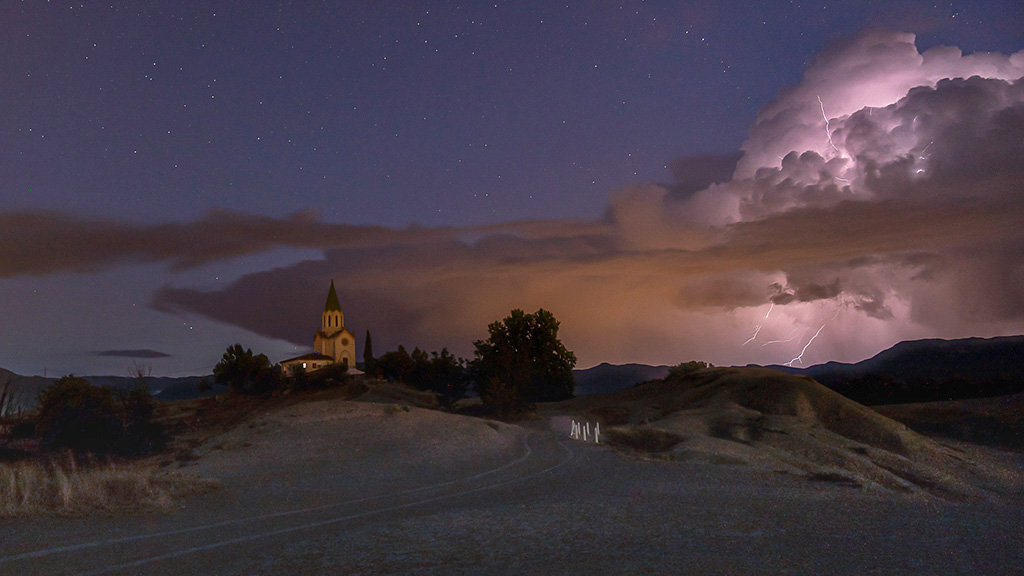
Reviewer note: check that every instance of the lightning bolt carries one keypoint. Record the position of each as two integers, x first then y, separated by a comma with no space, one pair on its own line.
920,170
758,327
800,357
790,338
828,132
749,340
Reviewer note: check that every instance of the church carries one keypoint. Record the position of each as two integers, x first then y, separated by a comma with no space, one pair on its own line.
333,343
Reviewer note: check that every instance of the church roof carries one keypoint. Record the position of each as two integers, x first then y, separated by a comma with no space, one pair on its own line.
332,300
311,356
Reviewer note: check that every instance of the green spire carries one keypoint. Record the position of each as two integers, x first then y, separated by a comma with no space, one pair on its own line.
332,300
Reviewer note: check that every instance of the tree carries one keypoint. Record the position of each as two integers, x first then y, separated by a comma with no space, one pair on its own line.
368,360
397,365
523,361
447,377
443,374
76,415
245,372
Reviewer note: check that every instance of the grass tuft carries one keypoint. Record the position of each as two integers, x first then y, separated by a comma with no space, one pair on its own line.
64,488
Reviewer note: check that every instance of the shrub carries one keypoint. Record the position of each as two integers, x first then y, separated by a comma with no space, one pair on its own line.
395,366
686,368
331,375
646,439
73,414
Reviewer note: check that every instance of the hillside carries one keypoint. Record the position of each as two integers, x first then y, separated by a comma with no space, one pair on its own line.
995,421
22,390
25,389
606,378
763,417
927,371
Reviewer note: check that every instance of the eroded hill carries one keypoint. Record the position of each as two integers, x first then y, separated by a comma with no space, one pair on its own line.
763,417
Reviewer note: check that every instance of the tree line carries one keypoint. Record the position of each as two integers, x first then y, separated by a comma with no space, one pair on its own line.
521,362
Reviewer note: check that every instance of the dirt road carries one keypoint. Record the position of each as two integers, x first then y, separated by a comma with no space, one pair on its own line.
533,502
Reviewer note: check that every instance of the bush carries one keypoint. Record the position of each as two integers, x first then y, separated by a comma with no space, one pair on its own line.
686,368
75,415
395,366
647,439
331,375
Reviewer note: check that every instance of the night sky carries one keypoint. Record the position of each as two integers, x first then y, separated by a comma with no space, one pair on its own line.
674,181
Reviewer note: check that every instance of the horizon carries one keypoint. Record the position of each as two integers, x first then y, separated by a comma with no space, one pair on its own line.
203,375
751,185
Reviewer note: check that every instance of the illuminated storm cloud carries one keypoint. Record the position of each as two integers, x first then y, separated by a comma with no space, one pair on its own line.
892,113
901,220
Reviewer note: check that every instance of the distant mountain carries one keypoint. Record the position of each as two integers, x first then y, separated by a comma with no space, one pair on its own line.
171,389
928,370
23,390
606,378
162,387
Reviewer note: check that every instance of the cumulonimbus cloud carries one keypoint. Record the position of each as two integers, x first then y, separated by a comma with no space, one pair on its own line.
902,219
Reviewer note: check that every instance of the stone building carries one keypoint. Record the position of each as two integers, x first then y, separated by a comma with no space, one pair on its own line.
333,343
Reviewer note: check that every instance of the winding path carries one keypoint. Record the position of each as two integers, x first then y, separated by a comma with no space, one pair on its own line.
553,506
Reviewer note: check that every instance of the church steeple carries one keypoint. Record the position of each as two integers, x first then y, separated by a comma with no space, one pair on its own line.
332,300
333,319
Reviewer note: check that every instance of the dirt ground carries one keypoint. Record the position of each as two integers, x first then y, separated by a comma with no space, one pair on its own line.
339,486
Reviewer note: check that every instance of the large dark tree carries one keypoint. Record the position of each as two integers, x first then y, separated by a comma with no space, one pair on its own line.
523,361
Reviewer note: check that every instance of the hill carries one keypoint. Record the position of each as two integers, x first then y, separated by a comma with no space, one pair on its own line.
996,421
162,387
784,422
606,378
22,391
927,371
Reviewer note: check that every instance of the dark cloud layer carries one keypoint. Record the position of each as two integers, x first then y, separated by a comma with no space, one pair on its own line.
141,353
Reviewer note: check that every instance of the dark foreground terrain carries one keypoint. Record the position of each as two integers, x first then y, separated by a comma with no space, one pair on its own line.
347,487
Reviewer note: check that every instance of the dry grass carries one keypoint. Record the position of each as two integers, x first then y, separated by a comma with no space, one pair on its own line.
611,415
33,488
647,439
398,393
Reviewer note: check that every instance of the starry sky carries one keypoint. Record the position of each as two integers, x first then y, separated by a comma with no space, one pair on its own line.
735,182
